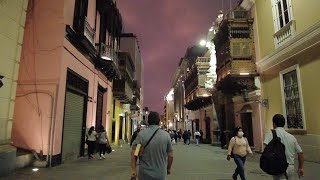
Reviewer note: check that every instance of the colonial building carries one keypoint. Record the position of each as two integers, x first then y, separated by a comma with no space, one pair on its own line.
198,95
12,23
123,96
70,56
178,97
236,73
129,43
287,55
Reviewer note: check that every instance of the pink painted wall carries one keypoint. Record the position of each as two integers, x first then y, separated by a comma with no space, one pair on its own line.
42,47
46,56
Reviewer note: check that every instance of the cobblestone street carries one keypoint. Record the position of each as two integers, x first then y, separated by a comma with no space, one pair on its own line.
191,162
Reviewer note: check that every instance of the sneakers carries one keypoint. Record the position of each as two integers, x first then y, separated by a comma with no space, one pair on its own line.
234,177
102,156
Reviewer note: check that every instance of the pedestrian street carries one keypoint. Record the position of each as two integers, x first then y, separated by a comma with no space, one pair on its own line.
191,162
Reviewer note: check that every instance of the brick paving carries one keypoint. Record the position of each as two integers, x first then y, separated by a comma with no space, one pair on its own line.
191,162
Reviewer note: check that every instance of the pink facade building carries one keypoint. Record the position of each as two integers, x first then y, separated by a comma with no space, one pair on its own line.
69,59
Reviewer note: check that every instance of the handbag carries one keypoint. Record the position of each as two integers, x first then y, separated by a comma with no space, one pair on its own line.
108,149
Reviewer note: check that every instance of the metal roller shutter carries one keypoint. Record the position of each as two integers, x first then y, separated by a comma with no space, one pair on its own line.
72,126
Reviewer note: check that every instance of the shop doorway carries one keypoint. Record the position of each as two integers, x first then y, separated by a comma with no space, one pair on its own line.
246,122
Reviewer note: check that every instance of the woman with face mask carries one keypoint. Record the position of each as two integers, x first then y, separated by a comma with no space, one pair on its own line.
238,150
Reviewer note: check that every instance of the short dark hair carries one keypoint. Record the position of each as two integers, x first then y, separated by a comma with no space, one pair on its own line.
153,118
236,130
279,120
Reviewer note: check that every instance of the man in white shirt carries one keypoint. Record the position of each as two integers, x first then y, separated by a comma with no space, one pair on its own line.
292,148
197,136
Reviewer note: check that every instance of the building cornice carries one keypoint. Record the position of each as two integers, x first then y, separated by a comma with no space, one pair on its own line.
296,45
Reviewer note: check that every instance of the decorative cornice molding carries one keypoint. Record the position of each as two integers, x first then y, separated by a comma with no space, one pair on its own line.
296,45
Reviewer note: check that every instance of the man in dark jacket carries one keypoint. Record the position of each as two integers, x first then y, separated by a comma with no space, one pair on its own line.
134,136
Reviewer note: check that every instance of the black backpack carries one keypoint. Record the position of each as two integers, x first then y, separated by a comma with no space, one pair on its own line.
273,159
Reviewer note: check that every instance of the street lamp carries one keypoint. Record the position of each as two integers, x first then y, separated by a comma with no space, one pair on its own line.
203,42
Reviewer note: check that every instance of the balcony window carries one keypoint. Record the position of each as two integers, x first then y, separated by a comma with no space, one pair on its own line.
284,25
241,49
292,98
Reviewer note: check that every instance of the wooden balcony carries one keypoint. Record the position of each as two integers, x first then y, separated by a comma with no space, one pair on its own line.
135,105
108,62
197,99
123,91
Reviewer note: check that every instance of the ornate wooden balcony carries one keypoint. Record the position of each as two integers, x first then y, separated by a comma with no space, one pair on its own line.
123,91
123,87
197,99
135,105
108,62
235,53
197,96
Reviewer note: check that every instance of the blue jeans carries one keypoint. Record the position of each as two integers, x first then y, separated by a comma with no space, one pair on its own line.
239,160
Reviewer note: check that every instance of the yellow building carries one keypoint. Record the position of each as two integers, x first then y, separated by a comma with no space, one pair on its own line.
120,129
288,61
12,23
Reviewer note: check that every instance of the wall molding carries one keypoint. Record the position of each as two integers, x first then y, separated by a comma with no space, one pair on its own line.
295,46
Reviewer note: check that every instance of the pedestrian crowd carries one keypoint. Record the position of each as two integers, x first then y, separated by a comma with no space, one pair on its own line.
153,149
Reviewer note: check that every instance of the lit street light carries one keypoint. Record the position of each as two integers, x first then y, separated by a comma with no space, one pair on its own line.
203,42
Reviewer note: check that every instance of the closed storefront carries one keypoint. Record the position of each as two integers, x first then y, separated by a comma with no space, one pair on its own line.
74,117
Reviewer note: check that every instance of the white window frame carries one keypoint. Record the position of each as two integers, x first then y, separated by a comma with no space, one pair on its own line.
281,73
276,15
282,34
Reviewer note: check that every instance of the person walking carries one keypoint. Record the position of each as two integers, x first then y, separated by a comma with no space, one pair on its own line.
185,137
175,136
103,141
134,136
197,136
201,136
91,141
291,148
179,134
157,155
239,148
189,137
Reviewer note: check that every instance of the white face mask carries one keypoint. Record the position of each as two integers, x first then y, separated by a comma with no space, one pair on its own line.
240,134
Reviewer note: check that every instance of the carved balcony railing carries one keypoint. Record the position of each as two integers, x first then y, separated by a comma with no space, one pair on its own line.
109,54
285,33
89,32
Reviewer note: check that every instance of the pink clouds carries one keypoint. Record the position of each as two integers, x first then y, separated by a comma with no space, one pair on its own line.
165,28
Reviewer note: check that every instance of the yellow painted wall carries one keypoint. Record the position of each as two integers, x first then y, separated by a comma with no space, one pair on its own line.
311,97
272,92
12,24
306,13
118,110
265,25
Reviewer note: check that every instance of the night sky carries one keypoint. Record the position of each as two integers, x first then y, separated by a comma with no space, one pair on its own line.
165,28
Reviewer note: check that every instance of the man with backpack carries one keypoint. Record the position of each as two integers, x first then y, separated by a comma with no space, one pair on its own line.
279,153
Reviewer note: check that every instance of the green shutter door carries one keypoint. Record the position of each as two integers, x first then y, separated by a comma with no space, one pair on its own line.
72,126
